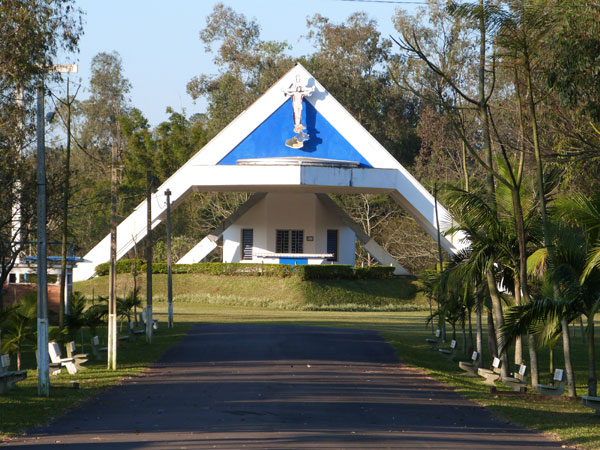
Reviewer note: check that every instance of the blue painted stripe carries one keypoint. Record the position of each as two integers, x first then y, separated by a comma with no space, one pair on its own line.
293,261
268,139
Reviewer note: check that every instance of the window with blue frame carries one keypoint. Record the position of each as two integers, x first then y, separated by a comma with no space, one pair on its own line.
332,244
247,243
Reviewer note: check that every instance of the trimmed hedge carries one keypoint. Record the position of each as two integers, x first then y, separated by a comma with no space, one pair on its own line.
374,272
304,272
123,266
256,270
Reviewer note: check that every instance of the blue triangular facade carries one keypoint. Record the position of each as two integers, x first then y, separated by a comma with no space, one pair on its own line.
268,139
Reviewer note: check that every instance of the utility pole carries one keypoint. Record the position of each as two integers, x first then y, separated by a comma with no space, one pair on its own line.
42,285
440,254
169,261
149,322
65,230
112,286
42,282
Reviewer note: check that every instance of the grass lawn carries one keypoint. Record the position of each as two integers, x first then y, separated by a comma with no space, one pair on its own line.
394,294
406,331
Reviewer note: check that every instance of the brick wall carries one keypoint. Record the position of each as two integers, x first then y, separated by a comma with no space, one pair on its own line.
14,292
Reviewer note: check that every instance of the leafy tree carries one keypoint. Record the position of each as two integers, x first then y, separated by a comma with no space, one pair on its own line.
248,66
353,62
33,33
98,128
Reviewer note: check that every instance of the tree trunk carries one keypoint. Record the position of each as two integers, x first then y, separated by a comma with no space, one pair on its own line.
592,380
479,335
470,331
498,321
546,227
519,339
65,227
567,354
522,237
492,347
534,369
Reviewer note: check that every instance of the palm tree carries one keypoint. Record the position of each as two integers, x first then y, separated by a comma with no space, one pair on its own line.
20,326
126,306
494,246
75,319
583,294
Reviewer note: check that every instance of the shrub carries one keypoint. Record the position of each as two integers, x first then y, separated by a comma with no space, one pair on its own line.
374,272
123,266
227,269
304,272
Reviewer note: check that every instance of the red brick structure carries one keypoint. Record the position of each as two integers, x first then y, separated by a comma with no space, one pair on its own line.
14,292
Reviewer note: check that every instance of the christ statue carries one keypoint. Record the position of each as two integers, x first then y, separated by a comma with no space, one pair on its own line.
298,92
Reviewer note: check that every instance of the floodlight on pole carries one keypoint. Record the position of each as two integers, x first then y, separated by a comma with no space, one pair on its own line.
42,282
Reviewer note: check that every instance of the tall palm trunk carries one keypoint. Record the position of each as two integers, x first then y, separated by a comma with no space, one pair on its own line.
522,238
492,345
519,339
546,225
498,321
567,355
479,335
592,380
487,151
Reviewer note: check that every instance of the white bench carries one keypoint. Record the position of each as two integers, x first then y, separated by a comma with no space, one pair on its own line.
557,388
591,402
435,343
97,350
493,375
78,358
518,382
57,359
8,378
449,353
470,367
143,315
134,332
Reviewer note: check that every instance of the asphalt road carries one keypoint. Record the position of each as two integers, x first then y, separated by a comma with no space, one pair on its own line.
286,387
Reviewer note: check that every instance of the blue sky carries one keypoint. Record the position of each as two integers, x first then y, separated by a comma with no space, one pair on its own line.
160,46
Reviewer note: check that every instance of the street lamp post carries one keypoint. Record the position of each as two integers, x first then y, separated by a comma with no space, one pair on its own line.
42,285
169,261
42,282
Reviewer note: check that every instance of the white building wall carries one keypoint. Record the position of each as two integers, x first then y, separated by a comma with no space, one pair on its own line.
233,235
327,220
286,211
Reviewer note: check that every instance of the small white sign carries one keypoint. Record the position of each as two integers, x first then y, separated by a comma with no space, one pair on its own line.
65,68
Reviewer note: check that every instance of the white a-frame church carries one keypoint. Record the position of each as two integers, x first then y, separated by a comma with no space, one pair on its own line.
291,148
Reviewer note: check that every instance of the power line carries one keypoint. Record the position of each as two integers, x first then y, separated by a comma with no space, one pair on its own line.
395,2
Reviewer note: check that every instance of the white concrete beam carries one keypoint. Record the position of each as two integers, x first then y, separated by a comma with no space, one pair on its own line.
209,243
369,244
